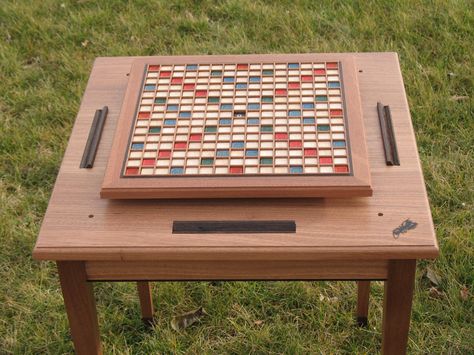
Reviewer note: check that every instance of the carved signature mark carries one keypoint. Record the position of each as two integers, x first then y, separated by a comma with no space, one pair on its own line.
406,225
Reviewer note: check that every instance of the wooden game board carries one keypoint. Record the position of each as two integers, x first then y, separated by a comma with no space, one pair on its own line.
240,126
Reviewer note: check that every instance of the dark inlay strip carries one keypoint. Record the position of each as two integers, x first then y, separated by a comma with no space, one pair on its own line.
93,140
388,135
206,227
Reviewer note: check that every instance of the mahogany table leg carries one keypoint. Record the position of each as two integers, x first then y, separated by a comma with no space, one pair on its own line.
363,292
397,306
80,306
146,301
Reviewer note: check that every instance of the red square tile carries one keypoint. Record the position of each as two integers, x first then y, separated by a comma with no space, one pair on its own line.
195,137
281,136
180,145
201,93
148,162
325,160
335,112
281,92
189,86
165,74
306,78
341,169
310,152
295,144
236,169
242,66
319,71
143,115
331,65
132,171
293,85
164,153
153,67
176,80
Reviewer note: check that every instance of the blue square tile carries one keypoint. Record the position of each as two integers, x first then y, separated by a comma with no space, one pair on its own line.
176,170
294,113
191,67
309,120
226,107
170,122
296,169
251,152
241,86
222,153
334,84
293,65
225,121
253,106
237,144
254,79
308,105
185,114
150,87
229,79
172,107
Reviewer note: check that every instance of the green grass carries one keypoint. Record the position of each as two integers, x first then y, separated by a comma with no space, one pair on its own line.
46,52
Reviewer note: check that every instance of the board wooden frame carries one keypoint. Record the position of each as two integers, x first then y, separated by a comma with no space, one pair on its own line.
356,183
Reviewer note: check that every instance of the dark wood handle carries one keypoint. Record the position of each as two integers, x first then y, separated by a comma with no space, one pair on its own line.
93,140
206,227
388,135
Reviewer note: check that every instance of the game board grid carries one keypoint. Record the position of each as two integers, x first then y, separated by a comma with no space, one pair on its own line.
317,155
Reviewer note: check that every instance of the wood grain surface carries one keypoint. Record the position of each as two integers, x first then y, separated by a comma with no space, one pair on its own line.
237,270
80,306
79,225
397,304
363,295
146,301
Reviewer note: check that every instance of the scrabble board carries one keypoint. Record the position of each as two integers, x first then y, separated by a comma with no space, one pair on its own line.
243,125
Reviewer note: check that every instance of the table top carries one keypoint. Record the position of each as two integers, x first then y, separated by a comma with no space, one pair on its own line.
79,225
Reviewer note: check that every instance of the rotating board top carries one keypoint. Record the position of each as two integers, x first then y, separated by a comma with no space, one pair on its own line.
261,120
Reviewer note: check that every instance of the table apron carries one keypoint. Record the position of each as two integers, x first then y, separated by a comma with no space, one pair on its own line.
164,270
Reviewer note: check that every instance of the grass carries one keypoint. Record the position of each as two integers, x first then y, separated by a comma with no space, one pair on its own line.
46,52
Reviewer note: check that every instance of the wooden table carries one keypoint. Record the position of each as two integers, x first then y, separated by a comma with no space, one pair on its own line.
94,239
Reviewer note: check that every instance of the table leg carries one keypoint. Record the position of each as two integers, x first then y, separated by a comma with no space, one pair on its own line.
363,292
80,306
397,306
146,301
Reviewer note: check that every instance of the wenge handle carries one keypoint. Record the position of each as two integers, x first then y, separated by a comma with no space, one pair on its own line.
388,135
90,150
206,227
